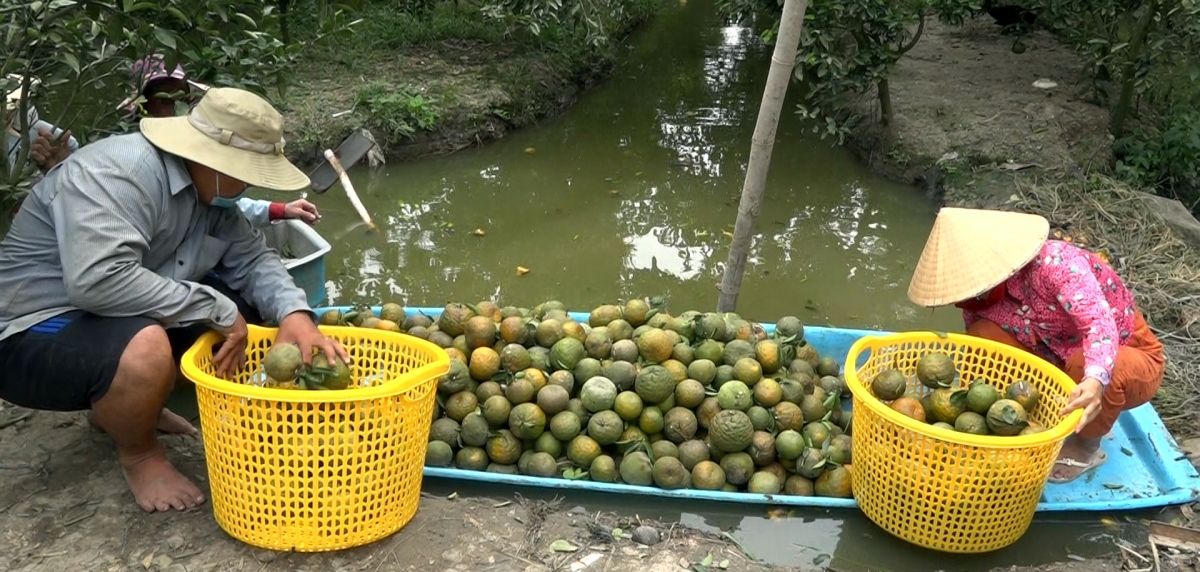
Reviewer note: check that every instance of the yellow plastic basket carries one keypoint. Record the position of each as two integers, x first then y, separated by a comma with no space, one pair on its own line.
315,471
942,489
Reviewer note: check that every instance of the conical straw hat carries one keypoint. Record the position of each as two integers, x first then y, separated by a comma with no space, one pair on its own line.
970,251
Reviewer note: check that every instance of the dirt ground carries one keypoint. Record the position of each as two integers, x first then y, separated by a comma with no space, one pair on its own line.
963,90
65,506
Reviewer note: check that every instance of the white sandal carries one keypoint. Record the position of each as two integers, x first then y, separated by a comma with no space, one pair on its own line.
1097,459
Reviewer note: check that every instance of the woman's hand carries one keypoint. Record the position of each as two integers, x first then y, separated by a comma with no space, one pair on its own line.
299,328
1086,395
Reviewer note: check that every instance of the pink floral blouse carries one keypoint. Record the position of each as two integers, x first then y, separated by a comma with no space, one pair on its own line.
1066,299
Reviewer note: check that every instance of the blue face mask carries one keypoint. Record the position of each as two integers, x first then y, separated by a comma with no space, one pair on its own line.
224,202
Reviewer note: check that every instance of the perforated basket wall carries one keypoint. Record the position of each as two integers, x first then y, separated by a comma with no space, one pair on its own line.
309,470
939,488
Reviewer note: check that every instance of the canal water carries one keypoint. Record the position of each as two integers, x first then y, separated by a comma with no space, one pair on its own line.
634,192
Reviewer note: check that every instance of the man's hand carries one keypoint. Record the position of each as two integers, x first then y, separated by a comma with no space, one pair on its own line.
232,356
302,210
1087,395
47,152
300,329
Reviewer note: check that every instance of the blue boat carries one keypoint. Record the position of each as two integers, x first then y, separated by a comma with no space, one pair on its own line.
1145,467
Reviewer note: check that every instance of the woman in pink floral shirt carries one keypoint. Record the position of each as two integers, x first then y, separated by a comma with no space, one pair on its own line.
1050,298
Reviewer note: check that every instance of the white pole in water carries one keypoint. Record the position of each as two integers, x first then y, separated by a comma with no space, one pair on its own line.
349,188
782,61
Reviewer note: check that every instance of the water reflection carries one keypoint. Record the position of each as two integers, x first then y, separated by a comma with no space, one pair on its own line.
650,252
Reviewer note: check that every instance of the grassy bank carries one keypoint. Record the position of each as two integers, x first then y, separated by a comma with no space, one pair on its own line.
444,80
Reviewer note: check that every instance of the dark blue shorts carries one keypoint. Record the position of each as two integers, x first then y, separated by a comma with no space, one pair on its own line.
67,363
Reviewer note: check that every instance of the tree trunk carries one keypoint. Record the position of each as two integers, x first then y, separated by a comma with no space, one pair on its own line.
1137,44
763,142
284,34
885,101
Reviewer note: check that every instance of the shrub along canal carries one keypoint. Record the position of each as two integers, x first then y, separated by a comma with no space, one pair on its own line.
632,193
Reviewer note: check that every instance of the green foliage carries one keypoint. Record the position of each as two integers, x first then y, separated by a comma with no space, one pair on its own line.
1126,45
849,47
81,53
596,17
1166,158
397,108
1144,62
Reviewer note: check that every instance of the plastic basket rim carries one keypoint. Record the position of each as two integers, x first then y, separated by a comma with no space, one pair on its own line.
427,373
863,395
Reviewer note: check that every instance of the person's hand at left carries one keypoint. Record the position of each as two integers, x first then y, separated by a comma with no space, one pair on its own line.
47,152
300,329
302,210
1086,395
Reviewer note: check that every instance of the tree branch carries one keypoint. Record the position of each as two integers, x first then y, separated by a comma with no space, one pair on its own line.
916,37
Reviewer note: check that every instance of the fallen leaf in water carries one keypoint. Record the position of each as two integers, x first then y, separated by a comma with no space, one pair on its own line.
521,271
1113,486
614,192
478,232
530,150
727,233
777,514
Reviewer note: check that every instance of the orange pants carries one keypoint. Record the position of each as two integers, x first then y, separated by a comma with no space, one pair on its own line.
1136,375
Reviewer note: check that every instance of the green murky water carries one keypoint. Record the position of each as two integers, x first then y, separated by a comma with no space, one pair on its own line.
631,194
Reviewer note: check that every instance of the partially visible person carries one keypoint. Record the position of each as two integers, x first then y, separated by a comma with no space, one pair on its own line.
100,277
49,145
158,93
1051,298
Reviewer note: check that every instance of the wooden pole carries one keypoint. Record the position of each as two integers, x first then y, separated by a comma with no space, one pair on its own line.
782,61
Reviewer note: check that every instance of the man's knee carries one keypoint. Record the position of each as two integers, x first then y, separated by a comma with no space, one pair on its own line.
148,359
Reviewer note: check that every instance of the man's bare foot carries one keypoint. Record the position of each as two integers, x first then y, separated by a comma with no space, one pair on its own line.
158,486
168,422
1077,455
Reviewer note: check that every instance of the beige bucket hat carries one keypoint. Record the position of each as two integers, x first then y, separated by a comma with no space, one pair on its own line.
234,132
971,251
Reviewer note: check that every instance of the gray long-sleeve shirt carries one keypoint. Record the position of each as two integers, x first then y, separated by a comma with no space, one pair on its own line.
116,230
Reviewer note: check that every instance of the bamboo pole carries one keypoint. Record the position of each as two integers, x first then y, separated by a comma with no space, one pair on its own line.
782,62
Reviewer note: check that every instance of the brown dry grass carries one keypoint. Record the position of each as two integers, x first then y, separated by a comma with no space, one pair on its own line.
1162,271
